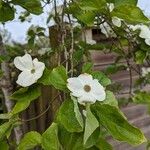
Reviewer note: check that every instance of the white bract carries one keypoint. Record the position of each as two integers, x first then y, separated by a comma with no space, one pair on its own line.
144,32
110,6
107,30
145,71
32,70
115,20
86,89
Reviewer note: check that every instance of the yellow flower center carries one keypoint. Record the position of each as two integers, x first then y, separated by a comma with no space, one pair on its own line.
87,88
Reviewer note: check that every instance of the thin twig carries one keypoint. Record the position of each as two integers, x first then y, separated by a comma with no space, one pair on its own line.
36,117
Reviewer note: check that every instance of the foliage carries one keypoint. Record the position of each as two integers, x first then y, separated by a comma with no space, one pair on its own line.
78,126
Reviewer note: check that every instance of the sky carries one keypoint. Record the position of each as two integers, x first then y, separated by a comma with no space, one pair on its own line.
18,30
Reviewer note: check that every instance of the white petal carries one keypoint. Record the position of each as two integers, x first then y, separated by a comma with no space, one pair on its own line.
101,96
87,98
148,69
116,21
85,78
145,32
132,27
24,62
26,78
110,6
77,93
107,30
98,90
147,41
39,68
75,86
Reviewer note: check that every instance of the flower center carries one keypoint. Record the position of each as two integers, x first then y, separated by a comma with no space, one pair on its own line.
87,88
33,71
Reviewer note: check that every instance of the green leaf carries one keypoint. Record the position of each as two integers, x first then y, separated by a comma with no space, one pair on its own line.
92,5
102,144
87,67
4,145
130,13
141,97
110,99
5,116
90,125
33,6
102,78
50,139
24,97
20,106
77,111
67,116
45,79
111,118
78,55
30,140
140,57
27,94
112,69
70,141
4,128
123,2
86,17
92,139
58,78
6,12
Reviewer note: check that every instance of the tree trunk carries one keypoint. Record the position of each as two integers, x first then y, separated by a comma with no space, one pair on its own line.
7,87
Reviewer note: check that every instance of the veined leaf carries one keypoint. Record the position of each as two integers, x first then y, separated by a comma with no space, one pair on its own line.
50,139
90,125
67,117
29,141
111,118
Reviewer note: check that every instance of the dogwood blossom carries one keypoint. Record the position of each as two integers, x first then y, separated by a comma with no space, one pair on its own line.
115,20
110,6
86,89
107,30
32,70
144,32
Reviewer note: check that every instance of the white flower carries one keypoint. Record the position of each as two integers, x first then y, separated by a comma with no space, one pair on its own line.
116,21
32,70
86,89
132,27
110,6
107,30
144,32
145,71
147,41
